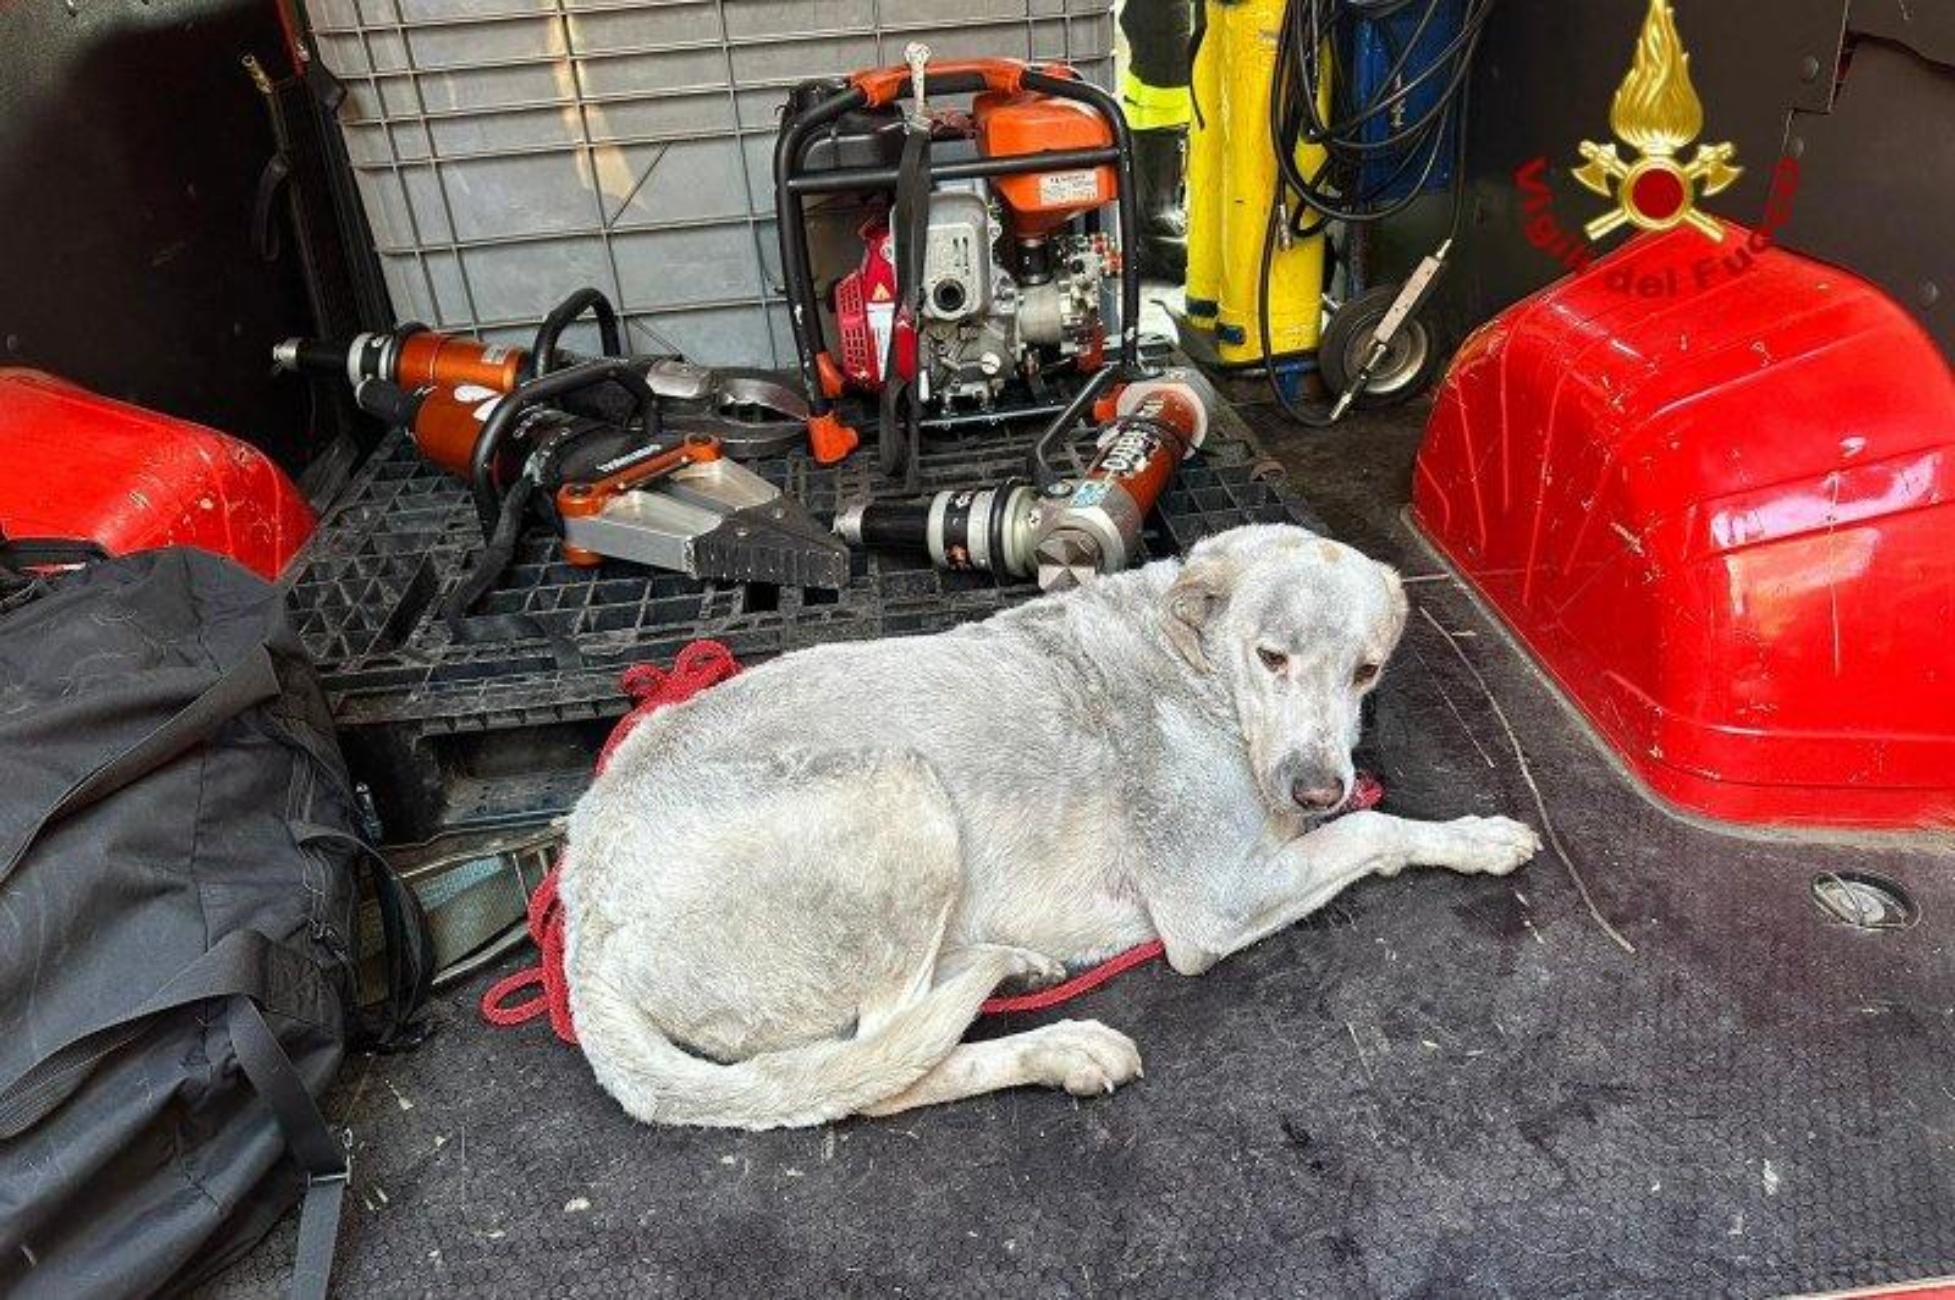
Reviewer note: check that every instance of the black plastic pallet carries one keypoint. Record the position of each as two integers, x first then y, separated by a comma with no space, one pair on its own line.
452,733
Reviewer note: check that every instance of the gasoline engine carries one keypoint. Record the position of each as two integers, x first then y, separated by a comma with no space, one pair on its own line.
983,276
1008,292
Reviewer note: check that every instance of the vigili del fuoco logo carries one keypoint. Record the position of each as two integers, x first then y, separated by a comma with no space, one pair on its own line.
1656,116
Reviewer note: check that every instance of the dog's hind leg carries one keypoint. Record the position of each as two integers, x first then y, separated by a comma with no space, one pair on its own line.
764,945
658,1081
1082,1056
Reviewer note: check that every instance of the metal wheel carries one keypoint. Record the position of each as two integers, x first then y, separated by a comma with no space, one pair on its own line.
1409,366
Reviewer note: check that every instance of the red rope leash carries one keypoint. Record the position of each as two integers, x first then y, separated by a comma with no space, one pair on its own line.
1366,793
699,665
650,688
1079,985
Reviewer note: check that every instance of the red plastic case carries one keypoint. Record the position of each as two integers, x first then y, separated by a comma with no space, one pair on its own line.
83,466
1710,488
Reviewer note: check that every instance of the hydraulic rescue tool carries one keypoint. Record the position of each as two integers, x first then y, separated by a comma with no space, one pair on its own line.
636,488
986,272
1069,531
631,490
751,412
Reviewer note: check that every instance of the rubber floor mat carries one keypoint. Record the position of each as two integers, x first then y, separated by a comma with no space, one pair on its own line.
1440,1085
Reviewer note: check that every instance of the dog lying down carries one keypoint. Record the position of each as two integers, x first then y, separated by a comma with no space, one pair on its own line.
785,900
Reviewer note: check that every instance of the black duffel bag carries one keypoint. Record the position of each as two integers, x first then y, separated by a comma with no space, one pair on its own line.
180,874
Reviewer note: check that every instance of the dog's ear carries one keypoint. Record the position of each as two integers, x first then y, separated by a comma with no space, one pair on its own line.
1194,600
1401,607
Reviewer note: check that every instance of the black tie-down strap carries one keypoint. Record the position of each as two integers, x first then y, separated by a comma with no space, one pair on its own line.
321,1153
901,411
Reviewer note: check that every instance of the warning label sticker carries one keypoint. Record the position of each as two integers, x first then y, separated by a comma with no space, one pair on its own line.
1069,187
1089,494
881,317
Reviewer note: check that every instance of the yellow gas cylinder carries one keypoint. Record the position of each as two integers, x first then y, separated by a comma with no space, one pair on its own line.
1229,215
1206,145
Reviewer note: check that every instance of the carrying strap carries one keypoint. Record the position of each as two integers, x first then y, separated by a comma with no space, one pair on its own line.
406,942
254,975
249,682
910,222
242,963
326,1160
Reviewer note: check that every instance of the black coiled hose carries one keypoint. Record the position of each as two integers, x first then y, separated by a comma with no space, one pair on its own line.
1337,190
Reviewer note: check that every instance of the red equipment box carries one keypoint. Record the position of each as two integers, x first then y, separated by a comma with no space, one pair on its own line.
83,466
1710,488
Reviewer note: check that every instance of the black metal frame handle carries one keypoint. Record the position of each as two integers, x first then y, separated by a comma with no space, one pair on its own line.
790,185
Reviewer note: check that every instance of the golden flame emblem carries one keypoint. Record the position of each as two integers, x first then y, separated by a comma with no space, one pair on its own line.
1657,113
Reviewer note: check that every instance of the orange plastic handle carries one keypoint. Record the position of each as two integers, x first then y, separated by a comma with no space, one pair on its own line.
886,85
582,499
829,439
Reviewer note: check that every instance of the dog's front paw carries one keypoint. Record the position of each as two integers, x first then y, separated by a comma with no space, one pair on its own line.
1082,1056
1492,846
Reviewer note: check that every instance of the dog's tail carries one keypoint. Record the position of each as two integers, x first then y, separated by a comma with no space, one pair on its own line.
661,1083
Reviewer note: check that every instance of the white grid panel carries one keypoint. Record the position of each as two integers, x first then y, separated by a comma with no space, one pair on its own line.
507,157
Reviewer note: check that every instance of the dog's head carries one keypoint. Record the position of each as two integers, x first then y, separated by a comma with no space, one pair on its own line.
1296,629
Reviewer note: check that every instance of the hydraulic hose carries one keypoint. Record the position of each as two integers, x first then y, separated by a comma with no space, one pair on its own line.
1337,189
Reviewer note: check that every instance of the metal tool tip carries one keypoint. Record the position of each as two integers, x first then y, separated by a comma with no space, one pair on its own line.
1067,561
848,523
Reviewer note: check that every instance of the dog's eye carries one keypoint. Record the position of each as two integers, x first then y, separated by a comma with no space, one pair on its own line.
1365,675
1274,660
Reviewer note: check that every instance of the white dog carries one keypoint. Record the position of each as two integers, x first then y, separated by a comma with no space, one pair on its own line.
785,900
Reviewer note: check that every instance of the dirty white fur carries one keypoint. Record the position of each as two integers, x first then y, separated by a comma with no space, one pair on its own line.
785,900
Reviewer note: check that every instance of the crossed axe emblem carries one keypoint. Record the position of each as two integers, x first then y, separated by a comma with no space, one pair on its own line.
1656,192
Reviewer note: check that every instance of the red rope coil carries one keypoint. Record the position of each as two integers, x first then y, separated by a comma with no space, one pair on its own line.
650,688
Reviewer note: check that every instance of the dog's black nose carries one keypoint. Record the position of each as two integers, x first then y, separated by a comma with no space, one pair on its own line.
1317,798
